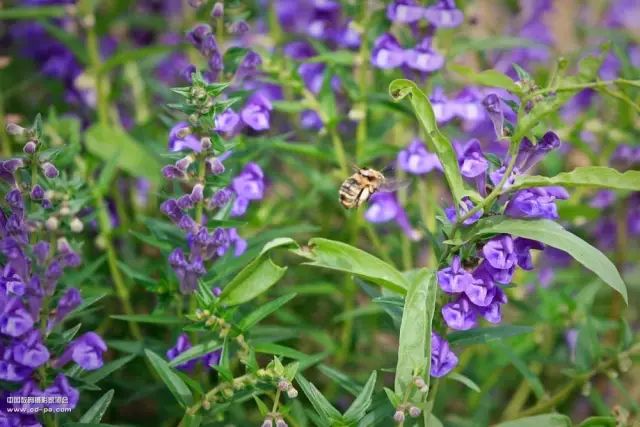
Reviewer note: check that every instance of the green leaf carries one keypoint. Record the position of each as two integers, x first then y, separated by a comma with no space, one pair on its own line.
399,89
464,380
339,57
327,412
197,350
95,376
521,366
191,420
158,319
262,407
546,420
492,78
341,379
414,348
129,55
258,276
587,176
280,350
33,12
431,420
340,256
554,235
483,335
174,383
599,421
107,142
263,311
359,407
95,413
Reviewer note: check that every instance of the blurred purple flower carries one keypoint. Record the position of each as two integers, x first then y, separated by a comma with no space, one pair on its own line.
444,14
182,344
384,207
465,206
443,360
417,160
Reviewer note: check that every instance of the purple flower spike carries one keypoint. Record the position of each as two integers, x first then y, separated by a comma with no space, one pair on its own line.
455,279
30,351
444,14
443,360
423,58
257,112
460,315
500,252
387,52
15,320
405,11
465,207
182,344
417,160
522,248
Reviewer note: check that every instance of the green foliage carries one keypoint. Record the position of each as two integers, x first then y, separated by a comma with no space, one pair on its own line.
586,176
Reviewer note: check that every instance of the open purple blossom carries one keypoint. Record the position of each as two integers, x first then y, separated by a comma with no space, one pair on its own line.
405,11
248,186
256,113
455,279
443,108
443,360
466,205
86,351
384,207
537,202
473,164
416,159
461,314
181,138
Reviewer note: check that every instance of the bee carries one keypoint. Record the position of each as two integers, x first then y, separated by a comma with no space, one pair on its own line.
360,186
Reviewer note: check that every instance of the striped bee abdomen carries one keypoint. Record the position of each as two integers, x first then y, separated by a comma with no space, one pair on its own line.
349,192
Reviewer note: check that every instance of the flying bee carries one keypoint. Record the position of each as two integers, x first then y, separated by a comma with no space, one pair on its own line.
360,186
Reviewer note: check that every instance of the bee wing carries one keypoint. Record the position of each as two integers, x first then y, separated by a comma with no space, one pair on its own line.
390,185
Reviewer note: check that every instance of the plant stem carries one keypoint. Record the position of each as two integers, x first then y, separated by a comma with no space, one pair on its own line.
93,49
4,138
362,78
565,392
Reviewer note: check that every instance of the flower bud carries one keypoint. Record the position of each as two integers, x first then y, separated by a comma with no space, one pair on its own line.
218,10
15,130
12,165
30,147
64,210
398,416
52,223
281,423
184,163
172,172
217,291
37,193
283,385
49,170
267,423
424,389
414,412
206,404
197,193
292,393
76,225
239,27
205,143
184,132
419,382
214,165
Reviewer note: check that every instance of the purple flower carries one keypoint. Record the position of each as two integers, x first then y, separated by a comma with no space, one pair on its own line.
62,388
15,320
405,11
500,252
66,304
633,216
228,123
86,351
182,344
212,359
443,360
460,314
248,185
384,207
496,176
187,271
493,312
492,105
455,279
523,247
473,164
11,283
423,58
532,203
387,52
444,14
468,105
481,290
257,112
417,160
603,199
529,154
181,138
498,275
239,244
443,109
30,351
465,206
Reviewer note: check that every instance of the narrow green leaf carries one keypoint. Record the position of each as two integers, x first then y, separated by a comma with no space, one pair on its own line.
546,420
464,380
107,142
359,407
258,276
341,379
95,376
176,386
327,412
159,319
587,176
280,350
340,256
263,311
401,88
521,366
484,335
129,55
197,350
415,331
554,235
262,407
431,420
95,413
191,420
33,12
340,57
492,78
599,421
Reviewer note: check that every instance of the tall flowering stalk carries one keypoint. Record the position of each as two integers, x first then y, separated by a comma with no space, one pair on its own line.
36,217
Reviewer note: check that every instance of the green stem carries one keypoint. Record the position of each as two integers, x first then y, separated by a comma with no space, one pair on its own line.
96,63
4,137
362,72
579,86
562,394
